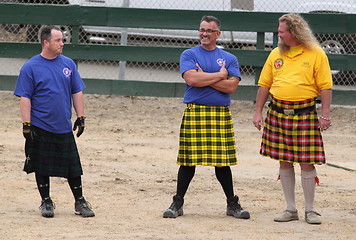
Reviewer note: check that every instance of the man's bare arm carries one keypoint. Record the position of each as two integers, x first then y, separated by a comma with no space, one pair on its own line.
202,79
226,85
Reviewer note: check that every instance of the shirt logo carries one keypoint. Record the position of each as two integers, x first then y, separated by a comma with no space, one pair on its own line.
305,64
278,63
67,72
220,61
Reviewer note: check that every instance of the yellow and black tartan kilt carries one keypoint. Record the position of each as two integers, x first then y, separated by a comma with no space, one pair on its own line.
293,138
207,137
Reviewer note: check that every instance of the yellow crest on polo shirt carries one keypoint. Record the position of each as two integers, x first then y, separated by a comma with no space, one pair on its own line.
278,63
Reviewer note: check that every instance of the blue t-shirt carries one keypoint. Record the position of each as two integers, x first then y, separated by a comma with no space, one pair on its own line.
209,61
50,83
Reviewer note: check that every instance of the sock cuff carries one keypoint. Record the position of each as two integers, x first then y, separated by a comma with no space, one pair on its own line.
285,172
311,174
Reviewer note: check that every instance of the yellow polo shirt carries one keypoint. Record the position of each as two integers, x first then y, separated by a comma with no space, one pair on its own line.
297,75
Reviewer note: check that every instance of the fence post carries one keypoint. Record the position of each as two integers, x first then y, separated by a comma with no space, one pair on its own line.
260,45
123,42
75,38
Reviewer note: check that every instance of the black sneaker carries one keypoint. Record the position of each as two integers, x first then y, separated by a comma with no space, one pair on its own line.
176,208
47,208
234,208
83,208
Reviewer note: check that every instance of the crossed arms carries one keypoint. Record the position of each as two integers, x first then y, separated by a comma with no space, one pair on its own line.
217,80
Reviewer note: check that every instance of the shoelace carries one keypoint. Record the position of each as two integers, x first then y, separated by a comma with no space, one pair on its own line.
86,205
310,212
47,205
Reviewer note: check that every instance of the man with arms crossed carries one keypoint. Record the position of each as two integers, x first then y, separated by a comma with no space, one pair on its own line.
207,133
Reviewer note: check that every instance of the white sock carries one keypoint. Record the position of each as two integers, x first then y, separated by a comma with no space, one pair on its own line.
308,184
287,177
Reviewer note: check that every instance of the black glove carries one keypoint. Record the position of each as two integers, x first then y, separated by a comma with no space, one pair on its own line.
28,132
80,124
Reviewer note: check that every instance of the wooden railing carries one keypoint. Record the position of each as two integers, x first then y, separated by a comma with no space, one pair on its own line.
77,16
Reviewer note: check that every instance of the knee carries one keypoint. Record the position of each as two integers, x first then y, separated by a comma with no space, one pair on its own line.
307,167
285,165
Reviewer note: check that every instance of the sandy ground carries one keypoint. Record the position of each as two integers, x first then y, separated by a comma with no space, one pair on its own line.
128,153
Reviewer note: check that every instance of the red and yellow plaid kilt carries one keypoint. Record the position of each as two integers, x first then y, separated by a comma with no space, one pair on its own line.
293,138
207,137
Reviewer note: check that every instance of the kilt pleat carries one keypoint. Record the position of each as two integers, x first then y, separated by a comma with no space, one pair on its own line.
207,137
293,138
54,155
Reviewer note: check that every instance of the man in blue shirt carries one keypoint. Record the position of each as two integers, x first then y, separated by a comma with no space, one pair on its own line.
207,133
47,85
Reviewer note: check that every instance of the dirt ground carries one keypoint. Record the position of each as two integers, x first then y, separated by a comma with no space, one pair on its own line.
128,151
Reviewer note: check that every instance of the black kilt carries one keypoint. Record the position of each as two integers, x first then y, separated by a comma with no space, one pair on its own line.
51,154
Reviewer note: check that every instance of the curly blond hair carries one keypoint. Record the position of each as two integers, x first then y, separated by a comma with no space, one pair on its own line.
300,30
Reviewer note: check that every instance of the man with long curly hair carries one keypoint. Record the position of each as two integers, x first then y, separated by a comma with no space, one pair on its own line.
294,75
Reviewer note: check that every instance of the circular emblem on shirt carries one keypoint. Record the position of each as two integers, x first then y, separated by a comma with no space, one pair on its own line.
67,72
220,61
278,63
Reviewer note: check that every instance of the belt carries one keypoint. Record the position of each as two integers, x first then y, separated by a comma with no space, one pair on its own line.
287,111
190,105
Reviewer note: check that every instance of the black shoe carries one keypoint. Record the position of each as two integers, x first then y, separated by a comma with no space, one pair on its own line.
234,208
83,208
176,208
47,208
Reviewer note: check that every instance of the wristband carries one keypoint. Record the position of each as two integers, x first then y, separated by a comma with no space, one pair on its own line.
26,127
327,119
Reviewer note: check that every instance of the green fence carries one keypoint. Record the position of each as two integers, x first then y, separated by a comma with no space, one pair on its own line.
77,16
